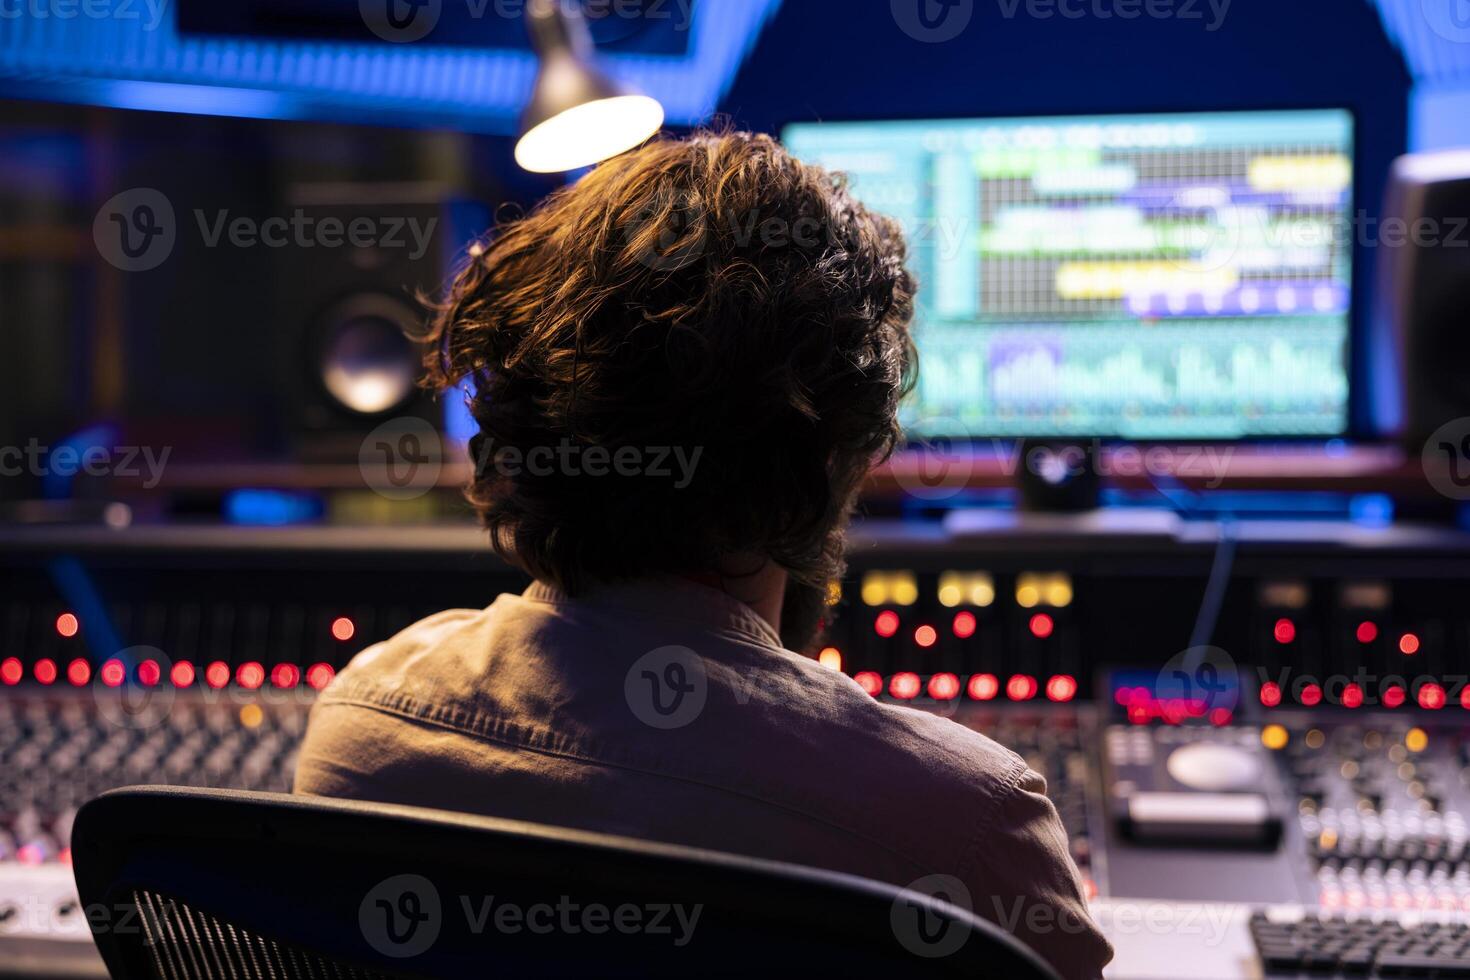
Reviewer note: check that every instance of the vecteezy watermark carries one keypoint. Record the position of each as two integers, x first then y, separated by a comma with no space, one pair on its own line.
1201,679
406,21
137,230
149,13
302,229
938,464
126,462
672,230
403,916
923,929
1362,688
1446,459
667,688
142,706
1210,14
932,21
1450,19
940,460
402,458
566,458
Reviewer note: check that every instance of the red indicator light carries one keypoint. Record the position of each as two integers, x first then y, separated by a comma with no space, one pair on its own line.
79,672
1021,688
1431,696
320,675
926,636
67,625
1061,688
285,675
1367,632
965,624
904,686
870,681
1139,714
343,629
984,687
944,687
11,671
217,674
45,670
1311,695
886,624
1465,697
1042,626
149,673
1284,631
250,675
1220,717
113,673
1393,697
182,674
1271,694
1352,696
1409,644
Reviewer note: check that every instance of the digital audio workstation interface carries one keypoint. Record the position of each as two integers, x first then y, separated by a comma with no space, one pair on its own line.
1145,277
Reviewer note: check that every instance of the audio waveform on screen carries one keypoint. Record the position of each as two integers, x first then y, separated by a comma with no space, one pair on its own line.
1145,276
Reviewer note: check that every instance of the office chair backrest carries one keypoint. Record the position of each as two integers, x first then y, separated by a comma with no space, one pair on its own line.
182,883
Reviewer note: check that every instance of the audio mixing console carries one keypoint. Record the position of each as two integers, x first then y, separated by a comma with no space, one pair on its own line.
1308,815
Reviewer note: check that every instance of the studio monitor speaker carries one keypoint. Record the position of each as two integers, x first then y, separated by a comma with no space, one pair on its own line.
1424,288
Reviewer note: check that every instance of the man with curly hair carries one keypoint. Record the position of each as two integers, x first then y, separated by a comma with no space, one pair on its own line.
683,367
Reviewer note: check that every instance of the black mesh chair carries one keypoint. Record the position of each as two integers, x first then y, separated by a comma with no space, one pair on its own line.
184,883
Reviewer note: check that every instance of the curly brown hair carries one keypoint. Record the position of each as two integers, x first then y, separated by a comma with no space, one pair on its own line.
711,294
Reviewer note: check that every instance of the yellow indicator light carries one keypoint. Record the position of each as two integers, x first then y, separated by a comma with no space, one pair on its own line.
875,589
1416,740
982,590
1028,591
834,592
251,716
1059,591
830,657
1274,737
904,588
1327,839
951,591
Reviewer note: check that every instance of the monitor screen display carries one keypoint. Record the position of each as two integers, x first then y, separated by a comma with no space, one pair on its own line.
1176,276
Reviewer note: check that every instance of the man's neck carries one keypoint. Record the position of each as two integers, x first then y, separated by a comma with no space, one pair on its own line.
763,589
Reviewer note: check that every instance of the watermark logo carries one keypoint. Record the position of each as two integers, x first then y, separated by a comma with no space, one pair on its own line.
1446,459
143,463
150,13
919,928
1450,19
932,21
401,21
938,464
670,232
1210,13
141,707
667,688
135,230
401,459
401,917
1200,679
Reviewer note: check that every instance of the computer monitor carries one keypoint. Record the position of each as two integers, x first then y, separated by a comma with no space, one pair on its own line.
1148,277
